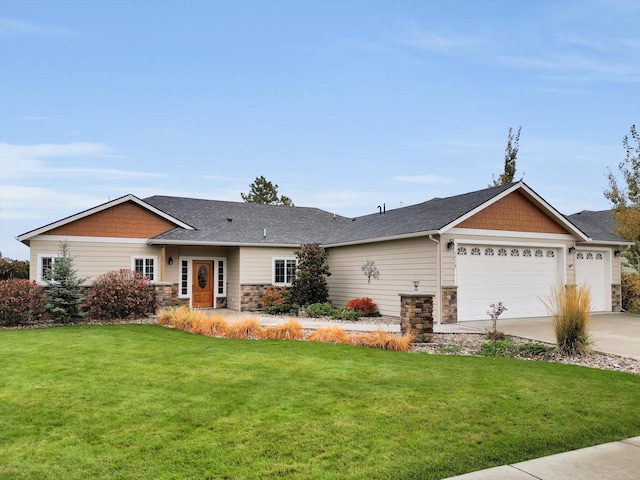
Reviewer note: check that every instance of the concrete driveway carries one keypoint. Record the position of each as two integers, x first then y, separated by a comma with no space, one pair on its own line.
615,333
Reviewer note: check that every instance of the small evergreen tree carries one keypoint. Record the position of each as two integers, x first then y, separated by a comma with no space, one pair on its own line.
310,283
63,292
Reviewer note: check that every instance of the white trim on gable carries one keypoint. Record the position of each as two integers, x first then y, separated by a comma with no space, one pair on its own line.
25,237
506,233
531,195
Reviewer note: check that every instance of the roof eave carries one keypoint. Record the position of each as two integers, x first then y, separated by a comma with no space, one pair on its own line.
204,243
383,239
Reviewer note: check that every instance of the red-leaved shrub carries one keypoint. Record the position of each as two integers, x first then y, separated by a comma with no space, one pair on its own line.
21,301
365,305
121,294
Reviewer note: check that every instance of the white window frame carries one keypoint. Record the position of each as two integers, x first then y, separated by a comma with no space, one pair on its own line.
41,256
144,258
287,281
189,261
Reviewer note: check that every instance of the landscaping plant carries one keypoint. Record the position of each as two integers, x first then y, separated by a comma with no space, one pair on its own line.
495,310
310,282
365,305
121,294
570,309
21,301
63,288
631,292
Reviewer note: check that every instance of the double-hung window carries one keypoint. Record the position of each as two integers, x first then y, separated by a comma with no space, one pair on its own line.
45,266
145,266
284,270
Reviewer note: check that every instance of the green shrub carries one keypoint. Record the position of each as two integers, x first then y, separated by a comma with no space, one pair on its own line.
535,349
498,348
21,301
282,309
346,314
365,305
570,308
121,294
315,310
631,292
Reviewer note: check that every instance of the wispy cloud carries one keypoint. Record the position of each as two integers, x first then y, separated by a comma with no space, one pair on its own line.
420,179
27,161
12,27
415,36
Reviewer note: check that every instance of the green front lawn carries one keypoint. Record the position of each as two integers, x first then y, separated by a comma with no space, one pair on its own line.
142,401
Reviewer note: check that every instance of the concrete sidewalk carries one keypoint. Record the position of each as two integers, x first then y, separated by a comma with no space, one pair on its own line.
610,461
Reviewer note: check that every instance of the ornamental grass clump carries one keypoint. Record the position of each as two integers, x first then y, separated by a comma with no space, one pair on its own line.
384,341
291,330
209,325
329,335
176,317
570,309
245,328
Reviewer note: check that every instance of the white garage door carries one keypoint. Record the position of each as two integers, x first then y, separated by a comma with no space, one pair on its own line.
591,269
519,277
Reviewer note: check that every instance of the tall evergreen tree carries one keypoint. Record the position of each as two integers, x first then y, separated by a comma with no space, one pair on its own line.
510,156
266,193
63,292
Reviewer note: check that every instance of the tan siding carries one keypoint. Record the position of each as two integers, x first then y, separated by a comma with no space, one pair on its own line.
92,259
515,213
127,220
256,263
233,279
398,262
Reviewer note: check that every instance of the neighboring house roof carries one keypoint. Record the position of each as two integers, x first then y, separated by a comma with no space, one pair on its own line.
600,225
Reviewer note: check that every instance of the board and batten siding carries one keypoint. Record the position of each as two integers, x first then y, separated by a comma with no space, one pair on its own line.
92,258
398,262
256,263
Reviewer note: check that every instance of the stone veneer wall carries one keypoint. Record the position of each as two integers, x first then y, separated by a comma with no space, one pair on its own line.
616,297
416,311
167,295
449,310
250,297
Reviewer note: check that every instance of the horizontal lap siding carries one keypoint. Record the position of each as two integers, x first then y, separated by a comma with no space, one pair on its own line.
398,263
92,259
256,263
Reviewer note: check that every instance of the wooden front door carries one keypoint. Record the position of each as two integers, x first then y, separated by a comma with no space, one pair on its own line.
202,284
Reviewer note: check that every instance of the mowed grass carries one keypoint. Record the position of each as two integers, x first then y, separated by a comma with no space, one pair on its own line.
144,401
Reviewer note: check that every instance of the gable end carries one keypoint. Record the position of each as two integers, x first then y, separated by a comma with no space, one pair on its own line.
514,213
126,220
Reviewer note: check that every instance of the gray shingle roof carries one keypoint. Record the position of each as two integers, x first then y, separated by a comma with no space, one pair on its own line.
244,223
297,225
599,226
428,216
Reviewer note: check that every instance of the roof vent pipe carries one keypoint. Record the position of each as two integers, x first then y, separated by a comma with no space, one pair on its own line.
264,233
379,210
384,208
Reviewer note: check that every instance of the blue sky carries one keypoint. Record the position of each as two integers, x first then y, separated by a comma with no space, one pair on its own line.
343,104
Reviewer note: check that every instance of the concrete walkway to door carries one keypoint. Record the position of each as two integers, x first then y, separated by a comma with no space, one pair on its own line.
614,333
